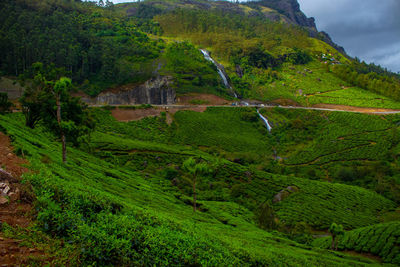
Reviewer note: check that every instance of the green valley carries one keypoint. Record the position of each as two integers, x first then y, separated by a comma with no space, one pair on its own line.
192,133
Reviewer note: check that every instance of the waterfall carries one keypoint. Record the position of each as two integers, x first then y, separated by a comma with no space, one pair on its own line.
220,71
269,128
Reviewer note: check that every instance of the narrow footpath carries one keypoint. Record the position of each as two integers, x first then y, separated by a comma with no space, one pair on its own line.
15,208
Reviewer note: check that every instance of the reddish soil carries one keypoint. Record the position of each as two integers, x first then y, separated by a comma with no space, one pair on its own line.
202,99
122,114
18,209
285,102
8,160
354,109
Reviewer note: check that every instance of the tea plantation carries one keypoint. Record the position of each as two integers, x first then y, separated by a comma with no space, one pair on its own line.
381,239
123,198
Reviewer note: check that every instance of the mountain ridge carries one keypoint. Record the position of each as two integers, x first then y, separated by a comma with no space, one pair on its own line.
287,11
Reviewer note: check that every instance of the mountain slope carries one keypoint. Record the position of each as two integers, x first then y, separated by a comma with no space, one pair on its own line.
112,213
268,48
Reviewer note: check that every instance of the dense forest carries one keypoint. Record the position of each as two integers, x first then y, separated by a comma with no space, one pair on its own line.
97,46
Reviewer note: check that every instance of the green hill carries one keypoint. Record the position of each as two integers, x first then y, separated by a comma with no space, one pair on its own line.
270,50
111,212
125,196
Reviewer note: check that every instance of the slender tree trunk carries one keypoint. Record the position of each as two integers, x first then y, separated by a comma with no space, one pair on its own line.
194,193
63,139
337,241
333,242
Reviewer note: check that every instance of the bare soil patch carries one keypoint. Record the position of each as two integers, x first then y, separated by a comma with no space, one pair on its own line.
123,114
285,102
206,99
15,207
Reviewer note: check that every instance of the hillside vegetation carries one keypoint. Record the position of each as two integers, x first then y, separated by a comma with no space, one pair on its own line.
110,212
211,187
381,240
266,54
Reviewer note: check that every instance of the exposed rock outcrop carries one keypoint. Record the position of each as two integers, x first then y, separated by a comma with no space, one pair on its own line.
285,193
157,91
293,15
291,9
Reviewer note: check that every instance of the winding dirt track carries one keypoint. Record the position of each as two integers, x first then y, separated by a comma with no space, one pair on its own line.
124,114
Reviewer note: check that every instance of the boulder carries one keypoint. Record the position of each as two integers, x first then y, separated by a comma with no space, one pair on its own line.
285,193
4,175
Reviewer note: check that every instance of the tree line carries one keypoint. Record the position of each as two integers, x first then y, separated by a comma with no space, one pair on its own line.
98,46
359,74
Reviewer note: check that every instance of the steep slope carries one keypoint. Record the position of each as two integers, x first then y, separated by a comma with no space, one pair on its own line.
116,214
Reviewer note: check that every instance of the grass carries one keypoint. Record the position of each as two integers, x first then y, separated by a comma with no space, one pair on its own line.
354,96
313,84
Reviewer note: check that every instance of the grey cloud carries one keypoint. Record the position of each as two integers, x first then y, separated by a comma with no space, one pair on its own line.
368,29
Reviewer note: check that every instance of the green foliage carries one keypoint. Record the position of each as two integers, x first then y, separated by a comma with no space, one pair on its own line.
356,149
299,57
47,91
5,105
266,218
380,239
114,215
191,71
195,169
93,43
384,84
222,132
336,230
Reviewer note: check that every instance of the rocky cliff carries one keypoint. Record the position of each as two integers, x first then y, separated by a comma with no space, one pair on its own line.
290,9
292,14
157,91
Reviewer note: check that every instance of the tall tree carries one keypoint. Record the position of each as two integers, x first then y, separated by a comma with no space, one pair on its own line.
196,170
336,231
62,86
49,100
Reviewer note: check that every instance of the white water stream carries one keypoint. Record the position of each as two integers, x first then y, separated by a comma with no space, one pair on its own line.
220,71
269,128
226,83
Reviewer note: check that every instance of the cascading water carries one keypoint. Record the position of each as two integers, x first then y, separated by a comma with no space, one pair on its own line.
269,128
226,83
220,71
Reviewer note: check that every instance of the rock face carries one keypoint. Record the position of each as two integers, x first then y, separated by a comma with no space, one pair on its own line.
291,9
157,91
13,89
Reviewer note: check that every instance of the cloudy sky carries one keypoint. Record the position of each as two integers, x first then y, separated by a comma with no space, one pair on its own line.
368,29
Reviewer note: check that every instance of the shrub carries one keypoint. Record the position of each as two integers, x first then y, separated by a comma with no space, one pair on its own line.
5,105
